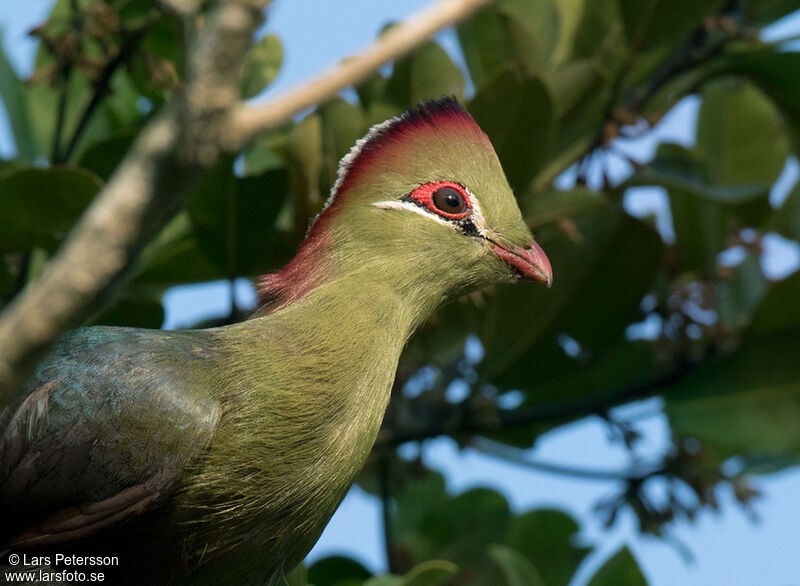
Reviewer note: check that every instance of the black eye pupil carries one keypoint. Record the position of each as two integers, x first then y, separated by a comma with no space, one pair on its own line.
449,200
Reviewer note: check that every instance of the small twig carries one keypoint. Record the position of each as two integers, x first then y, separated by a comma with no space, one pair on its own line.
385,484
401,39
66,73
22,274
55,157
689,55
517,456
103,84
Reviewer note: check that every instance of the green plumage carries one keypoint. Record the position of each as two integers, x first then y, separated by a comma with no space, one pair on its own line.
218,456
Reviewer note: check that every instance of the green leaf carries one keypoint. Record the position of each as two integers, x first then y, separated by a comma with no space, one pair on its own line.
297,577
600,28
267,151
103,158
430,524
337,571
172,258
765,12
303,154
485,44
522,129
653,22
514,34
134,312
342,124
8,165
548,538
569,17
7,283
701,229
620,569
540,21
703,214
39,206
745,403
12,92
675,167
739,295
553,205
388,580
573,83
261,65
616,258
779,311
786,219
517,569
740,134
231,215
372,89
579,94
430,573
158,67
775,73
428,73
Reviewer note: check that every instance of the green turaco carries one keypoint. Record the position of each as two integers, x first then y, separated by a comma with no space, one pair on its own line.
218,456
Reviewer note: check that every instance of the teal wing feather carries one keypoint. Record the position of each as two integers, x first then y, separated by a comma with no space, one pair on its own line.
107,428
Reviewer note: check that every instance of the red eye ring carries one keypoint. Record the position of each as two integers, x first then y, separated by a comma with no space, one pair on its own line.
423,195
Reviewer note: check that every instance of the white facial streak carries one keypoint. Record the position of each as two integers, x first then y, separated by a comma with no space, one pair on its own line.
396,204
476,217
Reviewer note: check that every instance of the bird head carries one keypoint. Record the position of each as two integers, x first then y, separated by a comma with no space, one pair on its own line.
422,202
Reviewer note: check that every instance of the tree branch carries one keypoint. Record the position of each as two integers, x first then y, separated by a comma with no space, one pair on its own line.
60,114
399,40
693,52
190,133
385,487
469,422
517,456
142,195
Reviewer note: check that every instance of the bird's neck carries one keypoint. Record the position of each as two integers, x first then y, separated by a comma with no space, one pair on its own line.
349,277
308,385
340,340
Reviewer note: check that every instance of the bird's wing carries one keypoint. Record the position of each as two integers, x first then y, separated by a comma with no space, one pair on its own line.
108,426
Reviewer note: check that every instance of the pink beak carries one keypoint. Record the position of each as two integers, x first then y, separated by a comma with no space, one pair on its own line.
531,262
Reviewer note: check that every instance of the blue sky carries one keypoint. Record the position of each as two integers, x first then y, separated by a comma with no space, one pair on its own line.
728,548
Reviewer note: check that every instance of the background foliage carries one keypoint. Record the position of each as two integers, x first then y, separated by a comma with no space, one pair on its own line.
555,84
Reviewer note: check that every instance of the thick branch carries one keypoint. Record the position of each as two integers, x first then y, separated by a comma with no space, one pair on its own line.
399,40
151,182
144,193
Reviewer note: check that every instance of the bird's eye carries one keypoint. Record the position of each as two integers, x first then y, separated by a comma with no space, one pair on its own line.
449,201
444,198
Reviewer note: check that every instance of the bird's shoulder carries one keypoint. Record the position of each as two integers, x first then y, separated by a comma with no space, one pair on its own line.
106,428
